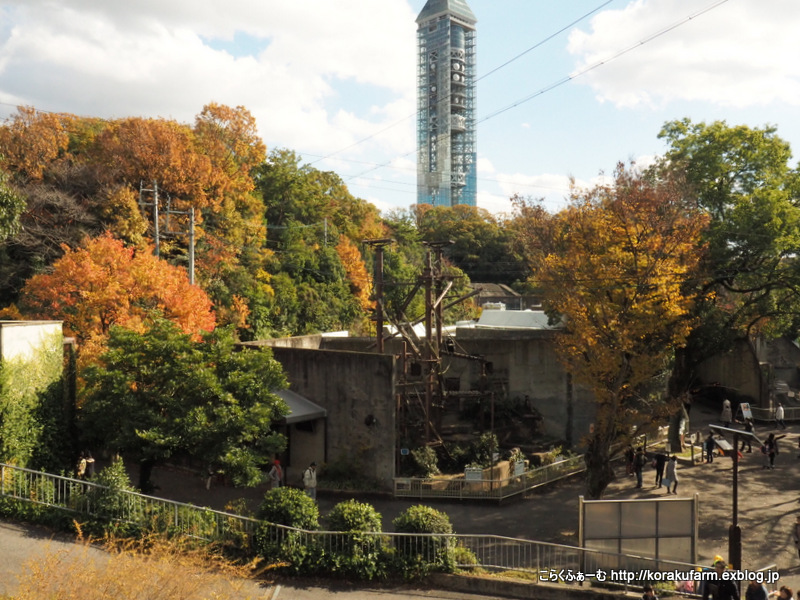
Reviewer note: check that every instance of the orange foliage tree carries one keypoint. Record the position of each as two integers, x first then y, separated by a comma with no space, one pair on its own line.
31,141
616,265
357,275
105,283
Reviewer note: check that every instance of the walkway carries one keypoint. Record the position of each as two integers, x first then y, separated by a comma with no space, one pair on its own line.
768,503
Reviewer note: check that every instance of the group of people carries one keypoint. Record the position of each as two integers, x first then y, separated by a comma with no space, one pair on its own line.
725,588
309,478
665,467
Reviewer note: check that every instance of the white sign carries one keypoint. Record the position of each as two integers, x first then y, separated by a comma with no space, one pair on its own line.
746,412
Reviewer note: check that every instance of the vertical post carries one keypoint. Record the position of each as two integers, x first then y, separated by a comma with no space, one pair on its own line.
735,533
428,277
379,297
191,245
155,217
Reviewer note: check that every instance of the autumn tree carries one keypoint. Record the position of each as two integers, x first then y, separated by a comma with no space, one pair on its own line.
162,393
613,267
104,283
31,141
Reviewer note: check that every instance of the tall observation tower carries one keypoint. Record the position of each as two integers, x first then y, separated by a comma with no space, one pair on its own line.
446,154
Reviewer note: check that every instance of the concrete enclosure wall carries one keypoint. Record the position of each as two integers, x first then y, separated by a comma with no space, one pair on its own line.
358,391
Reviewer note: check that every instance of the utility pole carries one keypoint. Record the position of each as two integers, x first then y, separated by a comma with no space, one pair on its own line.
433,281
154,204
379,245
157,232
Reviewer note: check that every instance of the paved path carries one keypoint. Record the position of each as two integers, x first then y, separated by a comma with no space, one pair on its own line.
768,503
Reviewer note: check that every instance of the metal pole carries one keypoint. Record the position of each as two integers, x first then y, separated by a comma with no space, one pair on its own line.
735,533
428,276
191,245
155,218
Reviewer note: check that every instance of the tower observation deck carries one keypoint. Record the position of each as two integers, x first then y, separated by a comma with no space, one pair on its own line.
446,153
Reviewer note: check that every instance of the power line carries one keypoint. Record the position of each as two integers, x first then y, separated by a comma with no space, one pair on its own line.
484,76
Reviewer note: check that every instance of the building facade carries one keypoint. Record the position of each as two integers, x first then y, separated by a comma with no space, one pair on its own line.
446,141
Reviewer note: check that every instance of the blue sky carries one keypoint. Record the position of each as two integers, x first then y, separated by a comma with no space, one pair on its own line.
334,80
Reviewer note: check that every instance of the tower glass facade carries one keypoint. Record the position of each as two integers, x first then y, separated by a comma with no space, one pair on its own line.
446,153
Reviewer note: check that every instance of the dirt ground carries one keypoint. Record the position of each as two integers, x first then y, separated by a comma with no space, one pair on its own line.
768,503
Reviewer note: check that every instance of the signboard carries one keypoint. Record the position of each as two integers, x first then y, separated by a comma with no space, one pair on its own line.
746,412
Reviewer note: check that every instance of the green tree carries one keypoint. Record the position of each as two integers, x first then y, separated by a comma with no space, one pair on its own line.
160,393
481,244
742,180
11,207
614,265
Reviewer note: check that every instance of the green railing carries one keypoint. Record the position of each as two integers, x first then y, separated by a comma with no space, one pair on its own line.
487,489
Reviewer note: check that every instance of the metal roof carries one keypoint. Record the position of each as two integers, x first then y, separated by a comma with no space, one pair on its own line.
434,8
300,408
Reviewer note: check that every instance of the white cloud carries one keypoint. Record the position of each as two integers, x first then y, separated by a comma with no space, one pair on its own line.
119,58
740,53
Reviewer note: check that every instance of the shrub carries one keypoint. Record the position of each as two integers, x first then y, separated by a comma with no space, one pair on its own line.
357,553
417,555
425,461
352,515
284,513
290,507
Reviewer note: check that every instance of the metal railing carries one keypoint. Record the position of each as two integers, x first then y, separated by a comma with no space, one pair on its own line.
542,561
125,507
762,415
486,489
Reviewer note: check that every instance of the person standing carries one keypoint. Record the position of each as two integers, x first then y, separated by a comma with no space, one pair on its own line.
672,475
80,468
779,416
310,480
630,455
276,475
721,587
639,461
727,414
755,591
660,462
796,532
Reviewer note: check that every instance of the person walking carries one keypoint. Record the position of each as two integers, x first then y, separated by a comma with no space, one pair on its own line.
727,414
779,416
671,478
276,475
710,444
310,480
770,451
747,440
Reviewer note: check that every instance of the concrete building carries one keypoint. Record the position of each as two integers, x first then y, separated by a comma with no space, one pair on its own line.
362,391
446,151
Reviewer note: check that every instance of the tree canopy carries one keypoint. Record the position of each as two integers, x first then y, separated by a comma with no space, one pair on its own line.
612,267
742,180
105,283
161,393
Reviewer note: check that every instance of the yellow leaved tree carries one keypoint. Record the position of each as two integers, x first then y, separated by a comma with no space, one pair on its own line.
617,266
